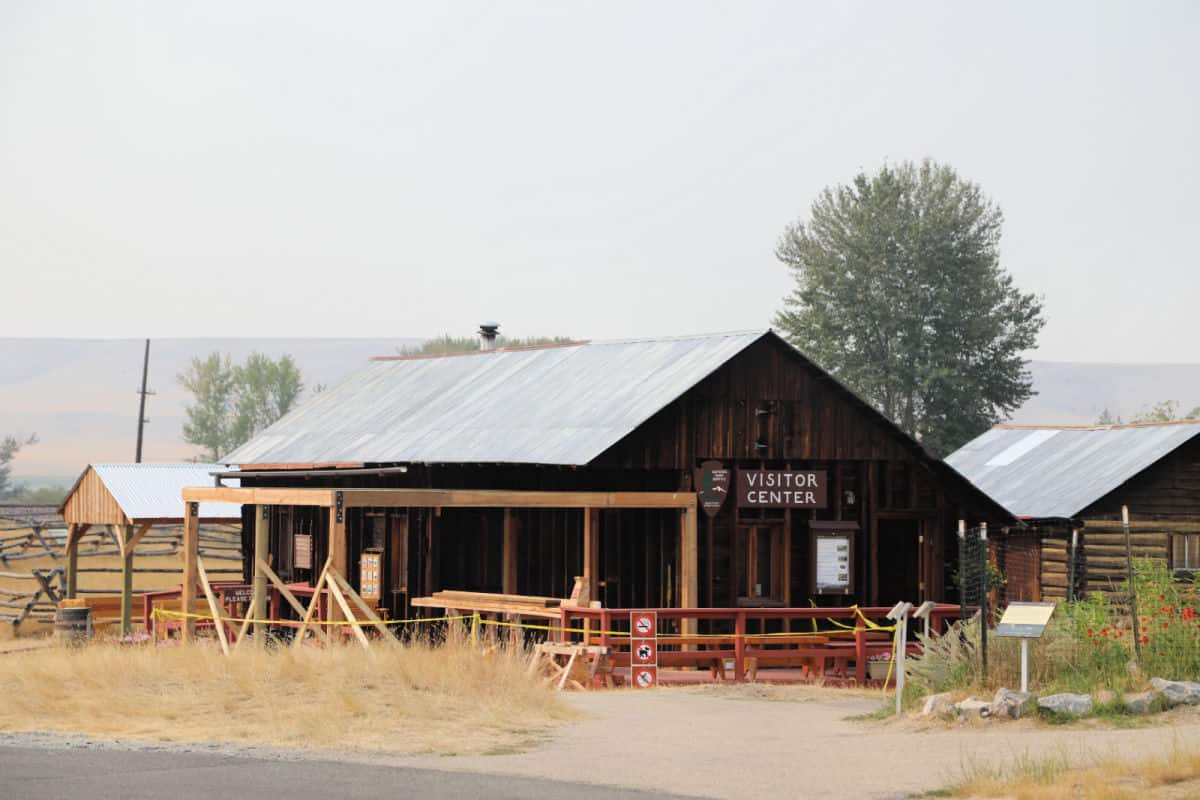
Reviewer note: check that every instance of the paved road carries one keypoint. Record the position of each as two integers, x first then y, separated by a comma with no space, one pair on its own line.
97,774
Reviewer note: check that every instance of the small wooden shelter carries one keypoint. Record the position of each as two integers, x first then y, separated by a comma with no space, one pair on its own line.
1068,483
130,499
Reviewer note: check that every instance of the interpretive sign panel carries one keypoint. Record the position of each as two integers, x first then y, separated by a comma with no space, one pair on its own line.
1025,620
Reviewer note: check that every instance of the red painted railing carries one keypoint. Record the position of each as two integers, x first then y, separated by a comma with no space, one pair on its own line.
610,621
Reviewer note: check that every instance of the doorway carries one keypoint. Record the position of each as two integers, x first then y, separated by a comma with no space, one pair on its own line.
899,562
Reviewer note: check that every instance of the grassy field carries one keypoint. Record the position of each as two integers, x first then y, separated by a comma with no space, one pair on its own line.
1171,776
411,698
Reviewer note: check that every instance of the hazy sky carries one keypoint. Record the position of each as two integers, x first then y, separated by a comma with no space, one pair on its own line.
592,169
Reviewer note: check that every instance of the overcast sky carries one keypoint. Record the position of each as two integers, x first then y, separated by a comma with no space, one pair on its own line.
597,170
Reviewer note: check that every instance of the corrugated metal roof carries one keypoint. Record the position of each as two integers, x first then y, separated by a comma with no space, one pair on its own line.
1058,472
560,405
155,491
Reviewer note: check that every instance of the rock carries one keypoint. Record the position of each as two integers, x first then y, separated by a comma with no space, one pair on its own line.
973,706
1013,705
1178,692
1067,703
1104,697
937,704
1141,702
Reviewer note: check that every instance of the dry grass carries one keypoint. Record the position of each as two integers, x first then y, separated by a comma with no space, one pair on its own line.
1175,775
405,699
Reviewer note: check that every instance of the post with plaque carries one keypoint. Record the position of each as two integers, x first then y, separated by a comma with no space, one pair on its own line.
1025,621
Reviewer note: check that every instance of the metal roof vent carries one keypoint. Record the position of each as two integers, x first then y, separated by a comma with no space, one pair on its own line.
487,335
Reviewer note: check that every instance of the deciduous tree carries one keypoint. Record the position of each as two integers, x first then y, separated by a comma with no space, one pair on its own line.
900,294
231,403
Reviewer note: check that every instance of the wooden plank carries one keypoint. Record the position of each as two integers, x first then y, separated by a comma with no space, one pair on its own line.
261,554
496,498
218,617
464,596
367,611
508,555
313,604
338,549
127,543
436,498
260,496
287,595
689,567
336,592
191,555
1160,526
591,552
74,533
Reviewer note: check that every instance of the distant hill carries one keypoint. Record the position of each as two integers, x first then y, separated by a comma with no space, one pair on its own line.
80,395
1072,393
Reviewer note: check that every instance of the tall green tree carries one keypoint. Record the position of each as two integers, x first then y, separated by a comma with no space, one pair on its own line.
233,402
900,294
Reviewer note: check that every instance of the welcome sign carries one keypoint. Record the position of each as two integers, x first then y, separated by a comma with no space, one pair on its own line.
782,488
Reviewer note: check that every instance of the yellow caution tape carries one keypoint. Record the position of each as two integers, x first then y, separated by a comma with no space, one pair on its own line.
163,613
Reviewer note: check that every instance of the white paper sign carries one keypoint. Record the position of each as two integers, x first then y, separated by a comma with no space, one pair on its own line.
833,563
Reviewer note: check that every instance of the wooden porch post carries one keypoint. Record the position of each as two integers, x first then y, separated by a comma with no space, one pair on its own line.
591,552
338,550
262,550
191,573
125,539
508,576
74,534
688,567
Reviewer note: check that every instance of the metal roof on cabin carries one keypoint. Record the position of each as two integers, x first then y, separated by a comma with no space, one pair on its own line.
1058,472
155,491
557,405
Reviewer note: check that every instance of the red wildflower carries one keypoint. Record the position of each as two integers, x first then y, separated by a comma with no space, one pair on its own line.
1104,632
1165,624
1160,597
1145,640
1095,643
1089,632
1164,610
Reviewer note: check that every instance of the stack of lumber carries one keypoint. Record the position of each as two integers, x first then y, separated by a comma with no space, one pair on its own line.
520,605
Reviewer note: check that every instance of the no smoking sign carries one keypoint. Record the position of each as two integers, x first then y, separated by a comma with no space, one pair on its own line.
643,624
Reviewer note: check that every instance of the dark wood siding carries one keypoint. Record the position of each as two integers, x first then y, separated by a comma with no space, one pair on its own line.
766,394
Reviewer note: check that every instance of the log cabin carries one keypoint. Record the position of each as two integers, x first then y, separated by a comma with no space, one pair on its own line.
716,470
1068,485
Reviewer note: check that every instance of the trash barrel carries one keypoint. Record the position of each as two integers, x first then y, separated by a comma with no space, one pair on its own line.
73,624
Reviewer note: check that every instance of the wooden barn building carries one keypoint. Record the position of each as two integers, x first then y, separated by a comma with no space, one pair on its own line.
703,471
1069,484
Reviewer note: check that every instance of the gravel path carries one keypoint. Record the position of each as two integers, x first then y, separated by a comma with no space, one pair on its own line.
727,746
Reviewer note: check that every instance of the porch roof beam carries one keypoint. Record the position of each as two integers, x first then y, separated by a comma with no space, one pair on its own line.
444,498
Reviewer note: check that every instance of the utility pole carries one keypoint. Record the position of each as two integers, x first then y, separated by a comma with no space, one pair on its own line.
142,403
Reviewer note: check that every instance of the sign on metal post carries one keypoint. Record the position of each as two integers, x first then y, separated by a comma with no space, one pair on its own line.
643,649
1025,621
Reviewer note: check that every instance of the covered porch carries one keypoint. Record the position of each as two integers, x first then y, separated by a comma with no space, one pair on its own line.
335,534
